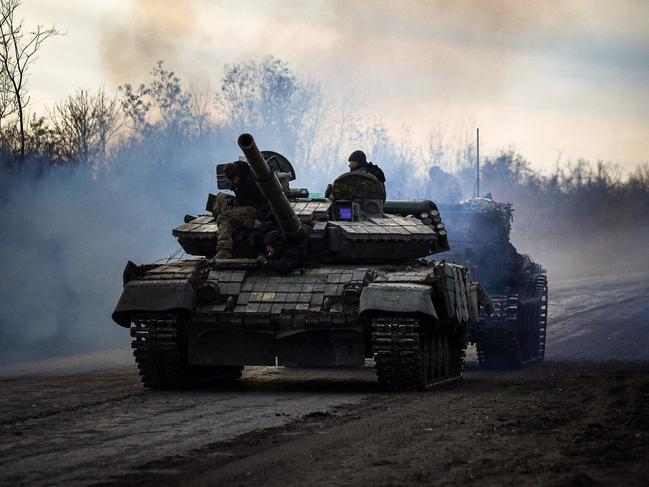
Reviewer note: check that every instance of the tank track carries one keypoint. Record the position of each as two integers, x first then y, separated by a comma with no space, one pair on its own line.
403,364
515,333
159,349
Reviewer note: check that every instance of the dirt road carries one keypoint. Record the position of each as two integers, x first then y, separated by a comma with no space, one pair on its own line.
568,421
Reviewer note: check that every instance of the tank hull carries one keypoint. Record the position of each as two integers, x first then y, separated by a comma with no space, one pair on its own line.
333,316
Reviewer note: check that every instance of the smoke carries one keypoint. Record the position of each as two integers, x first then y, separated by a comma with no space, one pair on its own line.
552,77
392,46
584,220
71,227
448,45
156,29
68,233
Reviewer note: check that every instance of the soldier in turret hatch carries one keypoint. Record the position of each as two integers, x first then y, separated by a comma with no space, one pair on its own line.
249,210
358,163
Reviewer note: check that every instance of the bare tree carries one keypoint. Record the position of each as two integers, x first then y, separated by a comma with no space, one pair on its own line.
83,126
199,107
7,105
17,51
162,104
109,120
271,99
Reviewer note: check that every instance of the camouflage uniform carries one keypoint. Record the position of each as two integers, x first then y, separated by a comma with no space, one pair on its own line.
229,215
230,220
373,169
231,212
221,203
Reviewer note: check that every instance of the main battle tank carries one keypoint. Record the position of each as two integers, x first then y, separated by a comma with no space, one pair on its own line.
363,290
514,334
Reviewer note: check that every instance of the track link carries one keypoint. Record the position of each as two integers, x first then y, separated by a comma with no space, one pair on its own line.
404,363
514,335
159,351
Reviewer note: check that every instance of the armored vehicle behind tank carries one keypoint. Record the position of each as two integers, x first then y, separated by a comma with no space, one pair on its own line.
514,335
363,289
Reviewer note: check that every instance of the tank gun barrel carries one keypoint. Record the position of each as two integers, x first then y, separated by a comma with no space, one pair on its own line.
271,189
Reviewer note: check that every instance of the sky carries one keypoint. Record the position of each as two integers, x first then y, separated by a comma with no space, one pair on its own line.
555,80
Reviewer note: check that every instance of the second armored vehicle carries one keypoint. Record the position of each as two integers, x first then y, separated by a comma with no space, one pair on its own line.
514,334
362,290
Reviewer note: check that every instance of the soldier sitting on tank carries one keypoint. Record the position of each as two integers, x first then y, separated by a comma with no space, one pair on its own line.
220,203
358,163
281,256
249,210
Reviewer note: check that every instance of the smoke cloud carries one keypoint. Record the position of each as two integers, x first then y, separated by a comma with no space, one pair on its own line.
557,77
69,232
156,29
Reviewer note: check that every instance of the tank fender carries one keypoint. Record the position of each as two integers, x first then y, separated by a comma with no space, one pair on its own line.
153,295
396,297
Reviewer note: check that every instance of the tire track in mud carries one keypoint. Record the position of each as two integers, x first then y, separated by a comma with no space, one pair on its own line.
15,420
557,423
85,441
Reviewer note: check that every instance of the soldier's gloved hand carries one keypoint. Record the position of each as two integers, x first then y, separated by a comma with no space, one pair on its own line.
261,260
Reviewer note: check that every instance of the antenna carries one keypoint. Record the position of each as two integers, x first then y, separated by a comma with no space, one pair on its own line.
477,163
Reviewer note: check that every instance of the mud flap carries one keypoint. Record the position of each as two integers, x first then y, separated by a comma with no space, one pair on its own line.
153,295
397,298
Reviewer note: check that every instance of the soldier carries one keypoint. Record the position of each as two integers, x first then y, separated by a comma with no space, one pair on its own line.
358,163
248,210
220,203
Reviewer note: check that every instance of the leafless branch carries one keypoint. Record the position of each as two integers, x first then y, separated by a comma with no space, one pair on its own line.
17,52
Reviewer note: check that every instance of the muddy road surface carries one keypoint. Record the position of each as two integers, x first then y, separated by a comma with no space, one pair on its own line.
581,418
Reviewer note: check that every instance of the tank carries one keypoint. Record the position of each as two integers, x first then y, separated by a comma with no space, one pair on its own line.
366,288
514,335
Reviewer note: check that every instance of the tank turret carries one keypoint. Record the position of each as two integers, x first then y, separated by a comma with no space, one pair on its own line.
356,224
